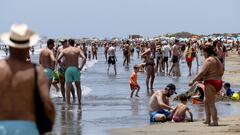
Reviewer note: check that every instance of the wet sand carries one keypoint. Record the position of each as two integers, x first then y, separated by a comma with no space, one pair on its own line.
232,71
228,123
227,126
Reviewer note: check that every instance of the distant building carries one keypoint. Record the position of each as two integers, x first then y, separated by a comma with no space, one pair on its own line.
135,37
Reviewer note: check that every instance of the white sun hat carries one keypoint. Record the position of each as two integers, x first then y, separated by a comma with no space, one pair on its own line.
20,36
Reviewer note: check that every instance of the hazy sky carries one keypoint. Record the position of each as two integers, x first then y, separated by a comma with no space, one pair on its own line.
110,18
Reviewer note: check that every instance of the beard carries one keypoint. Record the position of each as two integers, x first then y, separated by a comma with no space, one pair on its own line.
168,94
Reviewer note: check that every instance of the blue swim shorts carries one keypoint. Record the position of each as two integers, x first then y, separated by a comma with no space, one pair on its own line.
154,114
49,73
18,127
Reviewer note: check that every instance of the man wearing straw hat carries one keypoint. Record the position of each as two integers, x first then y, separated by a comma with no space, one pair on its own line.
17,79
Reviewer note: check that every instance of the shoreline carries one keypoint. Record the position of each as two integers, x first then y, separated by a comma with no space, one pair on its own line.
227,125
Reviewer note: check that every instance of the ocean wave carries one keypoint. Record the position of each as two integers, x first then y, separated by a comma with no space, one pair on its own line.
54,94
91,63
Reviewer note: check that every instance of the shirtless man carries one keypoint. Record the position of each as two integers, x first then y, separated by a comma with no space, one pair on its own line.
84,49
112,57
94,51
126,53
17,79
175,56
47,61
89,51
106,46
159,108
62,69
72,73
138,49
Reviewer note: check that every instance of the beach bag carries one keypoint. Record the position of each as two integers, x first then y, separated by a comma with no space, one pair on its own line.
44,124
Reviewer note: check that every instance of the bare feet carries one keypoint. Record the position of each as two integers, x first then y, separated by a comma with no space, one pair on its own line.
213,124
206,122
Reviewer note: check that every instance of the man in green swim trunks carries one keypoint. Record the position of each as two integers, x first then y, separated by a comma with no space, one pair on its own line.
47,61
62,68
72,73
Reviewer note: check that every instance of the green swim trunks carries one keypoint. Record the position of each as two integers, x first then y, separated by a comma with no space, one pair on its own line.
49,73
72,74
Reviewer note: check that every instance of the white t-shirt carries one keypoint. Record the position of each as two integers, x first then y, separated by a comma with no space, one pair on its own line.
166,51
89,48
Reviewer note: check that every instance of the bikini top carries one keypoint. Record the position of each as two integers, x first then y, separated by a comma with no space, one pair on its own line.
152,55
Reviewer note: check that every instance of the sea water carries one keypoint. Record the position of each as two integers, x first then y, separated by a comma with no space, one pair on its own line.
106,102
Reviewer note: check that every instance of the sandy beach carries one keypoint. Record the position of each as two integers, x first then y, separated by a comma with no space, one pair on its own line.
232,71
228,125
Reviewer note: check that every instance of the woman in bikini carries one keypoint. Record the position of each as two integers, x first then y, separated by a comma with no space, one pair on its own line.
126,53
211,75
150,64
189,53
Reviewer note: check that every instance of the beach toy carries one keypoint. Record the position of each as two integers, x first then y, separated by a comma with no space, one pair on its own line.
56,74
196,101
235,96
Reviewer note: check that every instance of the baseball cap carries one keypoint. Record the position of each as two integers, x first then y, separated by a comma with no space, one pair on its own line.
171,86
63,40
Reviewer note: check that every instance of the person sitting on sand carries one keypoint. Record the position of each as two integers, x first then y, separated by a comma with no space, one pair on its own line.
159,108
133,81
227,87
195,93
198,92
179,113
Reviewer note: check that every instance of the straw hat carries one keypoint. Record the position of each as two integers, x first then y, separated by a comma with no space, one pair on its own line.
20,37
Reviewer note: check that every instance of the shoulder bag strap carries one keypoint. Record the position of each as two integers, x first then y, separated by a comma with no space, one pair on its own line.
35,77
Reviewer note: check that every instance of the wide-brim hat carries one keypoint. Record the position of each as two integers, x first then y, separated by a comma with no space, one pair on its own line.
20,36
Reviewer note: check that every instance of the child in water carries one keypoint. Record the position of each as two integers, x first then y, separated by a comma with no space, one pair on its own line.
179,113
133,81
